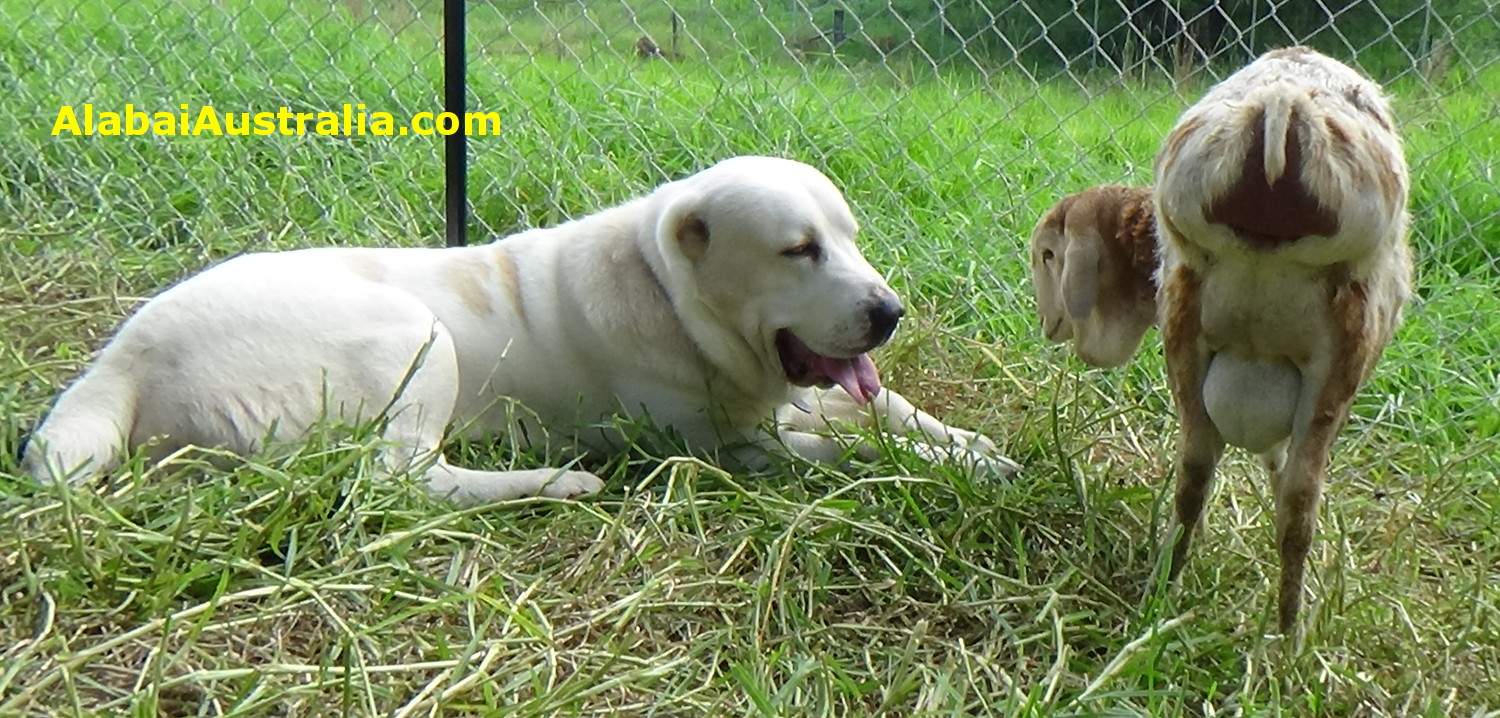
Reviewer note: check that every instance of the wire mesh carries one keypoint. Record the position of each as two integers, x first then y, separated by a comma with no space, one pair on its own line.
603,99
952,125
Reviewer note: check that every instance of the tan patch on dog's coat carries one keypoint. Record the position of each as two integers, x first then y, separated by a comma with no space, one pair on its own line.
467,279
366,267
512,281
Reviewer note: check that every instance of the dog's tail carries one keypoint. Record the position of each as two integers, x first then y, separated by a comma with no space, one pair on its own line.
87,431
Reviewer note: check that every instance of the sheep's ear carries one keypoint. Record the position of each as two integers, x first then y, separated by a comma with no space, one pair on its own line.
1080,275
1044,279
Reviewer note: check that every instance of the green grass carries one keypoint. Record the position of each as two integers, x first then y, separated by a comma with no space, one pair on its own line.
298,585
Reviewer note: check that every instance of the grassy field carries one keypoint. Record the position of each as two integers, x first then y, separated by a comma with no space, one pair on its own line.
299,586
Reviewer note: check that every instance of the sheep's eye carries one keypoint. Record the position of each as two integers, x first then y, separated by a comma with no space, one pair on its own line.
807,249
1047,255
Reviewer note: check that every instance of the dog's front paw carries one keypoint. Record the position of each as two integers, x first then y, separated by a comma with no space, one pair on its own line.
975,452
573,484
972,441
992,465
980,453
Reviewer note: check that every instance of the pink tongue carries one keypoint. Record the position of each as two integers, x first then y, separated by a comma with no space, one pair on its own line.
857,376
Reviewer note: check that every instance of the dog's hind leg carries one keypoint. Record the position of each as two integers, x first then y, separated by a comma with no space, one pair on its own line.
417,420
87,432
469,487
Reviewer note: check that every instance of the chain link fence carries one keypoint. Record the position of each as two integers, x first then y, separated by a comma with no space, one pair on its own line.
952,124
383,56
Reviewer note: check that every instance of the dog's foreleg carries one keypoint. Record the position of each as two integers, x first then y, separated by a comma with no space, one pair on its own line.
892,415
889,413
900,417
1199,444
822,449
468,487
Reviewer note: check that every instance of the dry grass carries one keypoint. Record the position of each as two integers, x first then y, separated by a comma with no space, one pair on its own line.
295,585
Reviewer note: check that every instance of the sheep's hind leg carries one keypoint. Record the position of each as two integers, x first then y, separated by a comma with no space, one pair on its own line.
1199,444
1327,396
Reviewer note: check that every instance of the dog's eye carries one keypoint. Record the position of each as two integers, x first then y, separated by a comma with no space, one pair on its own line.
1047,256
806,249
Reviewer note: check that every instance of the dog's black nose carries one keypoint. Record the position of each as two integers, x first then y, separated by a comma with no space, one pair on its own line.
884,314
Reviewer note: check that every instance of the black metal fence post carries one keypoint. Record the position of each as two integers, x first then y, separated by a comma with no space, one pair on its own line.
456,158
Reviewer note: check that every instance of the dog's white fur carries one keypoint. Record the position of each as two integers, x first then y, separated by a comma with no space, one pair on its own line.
670,307
1281,205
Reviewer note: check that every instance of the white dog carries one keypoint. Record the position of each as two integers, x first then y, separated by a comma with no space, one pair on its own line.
710,306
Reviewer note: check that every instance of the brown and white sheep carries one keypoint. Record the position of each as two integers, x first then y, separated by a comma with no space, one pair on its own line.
1281,204
1093,260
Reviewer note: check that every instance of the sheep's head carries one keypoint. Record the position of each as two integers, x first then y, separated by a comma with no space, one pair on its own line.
1092,261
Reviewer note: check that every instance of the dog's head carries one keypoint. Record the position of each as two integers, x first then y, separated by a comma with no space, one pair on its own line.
763,249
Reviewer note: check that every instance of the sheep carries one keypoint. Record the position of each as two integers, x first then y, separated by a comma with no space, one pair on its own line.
1093,265
1281,205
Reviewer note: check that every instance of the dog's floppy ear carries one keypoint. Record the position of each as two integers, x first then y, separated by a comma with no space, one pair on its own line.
681,229
1080,275
692,236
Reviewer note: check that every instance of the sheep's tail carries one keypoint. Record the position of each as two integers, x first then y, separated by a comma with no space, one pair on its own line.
1278,111
1273,200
